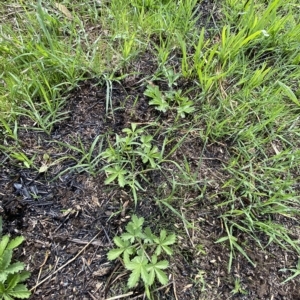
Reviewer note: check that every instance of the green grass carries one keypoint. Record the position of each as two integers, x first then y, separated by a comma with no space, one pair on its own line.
243,90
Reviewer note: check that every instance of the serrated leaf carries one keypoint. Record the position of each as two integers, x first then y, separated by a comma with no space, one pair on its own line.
138,266
3,244
169,240
15,267
110,178
7,297
162,264
163,235
5,259
114,253
158,250
138,222
121,180
119,242
20,291
167,249
151,277
133,278
161,276
3,276
148,235
145,275
12,281
14,243
24,275
126,236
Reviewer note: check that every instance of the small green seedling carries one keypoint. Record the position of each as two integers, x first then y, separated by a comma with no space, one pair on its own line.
11,274
296,272
164,101
121,158
140,249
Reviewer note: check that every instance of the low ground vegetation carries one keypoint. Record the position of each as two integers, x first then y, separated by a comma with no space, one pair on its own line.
151,148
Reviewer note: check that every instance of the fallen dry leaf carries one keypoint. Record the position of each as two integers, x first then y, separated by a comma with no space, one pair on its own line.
64,10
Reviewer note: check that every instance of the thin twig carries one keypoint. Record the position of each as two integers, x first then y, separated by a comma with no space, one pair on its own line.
120,296
174,288
67,263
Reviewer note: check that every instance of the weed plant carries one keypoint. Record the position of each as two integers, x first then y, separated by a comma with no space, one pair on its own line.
12,275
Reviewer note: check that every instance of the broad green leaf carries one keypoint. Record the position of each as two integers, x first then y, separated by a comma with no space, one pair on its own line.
24,275
118,241
2,288
145,275
167,249
169,240
3,276
133,278
12,281
138,222
15,267
5,259
162,264
14,243
121,180
163,241
3,244
20,291
161,276
148,235
111,178
158,250
163,235
151,276
7,297
114,253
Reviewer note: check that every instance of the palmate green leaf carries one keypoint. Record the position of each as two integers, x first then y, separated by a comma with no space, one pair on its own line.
155,269
148,236
138,266
14,243
116,172
120,243
124,246
137,222
163,241
133,278
20,291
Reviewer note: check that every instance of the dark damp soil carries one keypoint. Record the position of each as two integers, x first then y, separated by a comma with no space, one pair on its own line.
69,220
69,216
